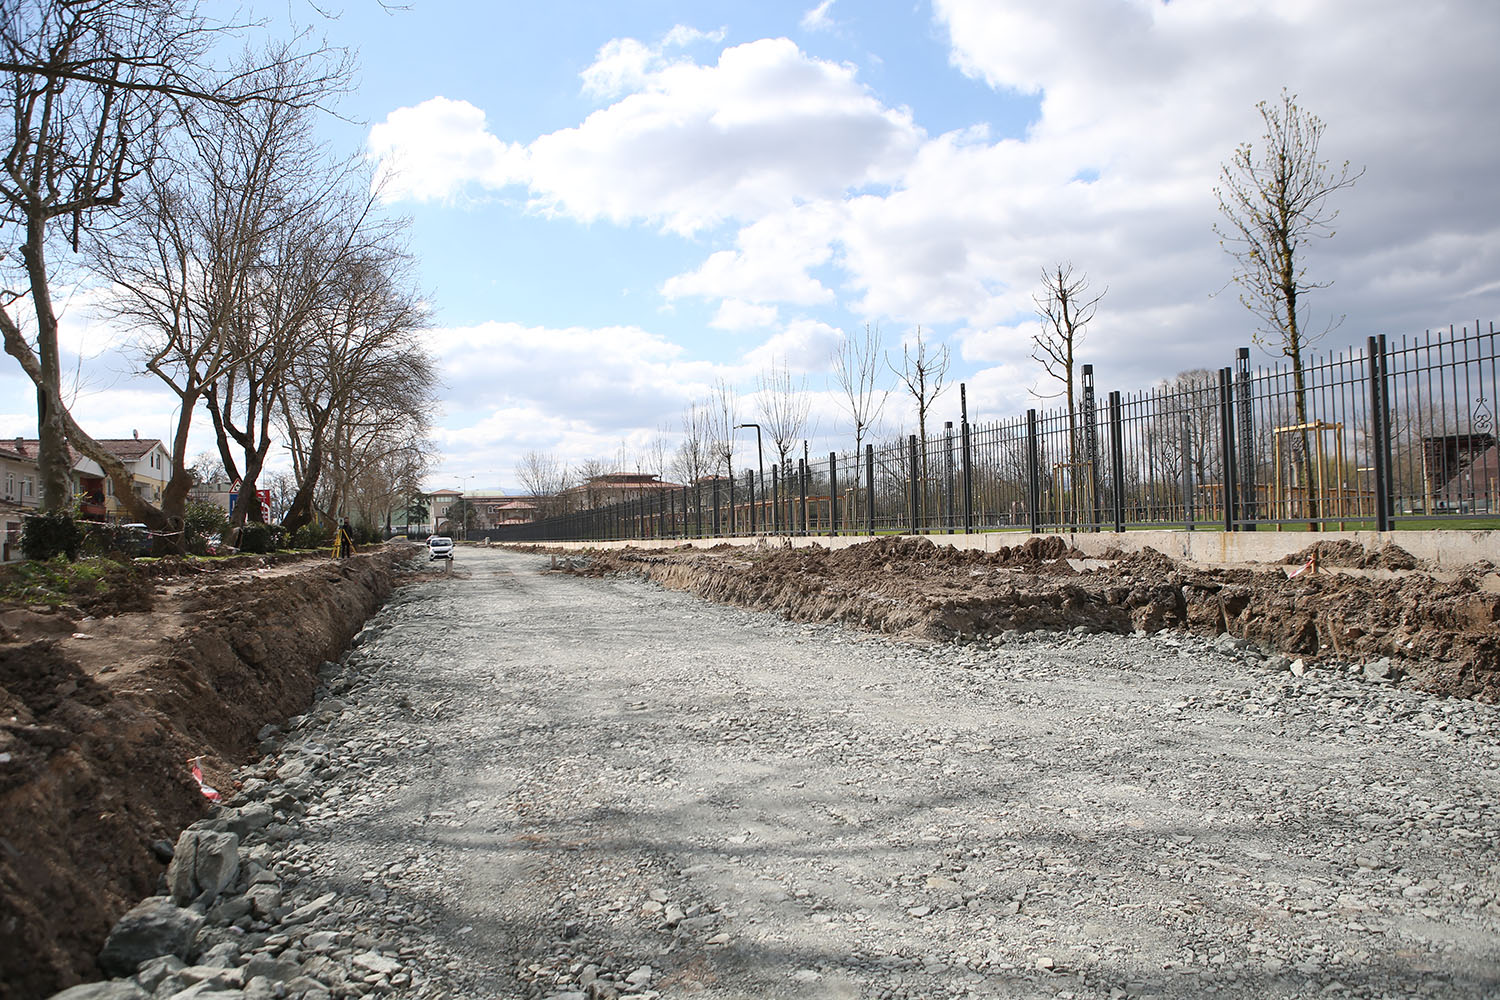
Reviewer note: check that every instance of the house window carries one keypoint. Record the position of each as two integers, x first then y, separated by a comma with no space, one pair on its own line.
10,485
28,487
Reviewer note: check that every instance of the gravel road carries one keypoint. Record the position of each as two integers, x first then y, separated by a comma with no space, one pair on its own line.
526,784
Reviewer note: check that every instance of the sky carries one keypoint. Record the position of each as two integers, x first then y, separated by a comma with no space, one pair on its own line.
615,205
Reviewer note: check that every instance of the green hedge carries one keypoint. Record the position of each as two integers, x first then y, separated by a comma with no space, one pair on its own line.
46,536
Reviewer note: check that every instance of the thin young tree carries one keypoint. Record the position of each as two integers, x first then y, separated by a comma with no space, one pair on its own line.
723,416
692,459
1274,202
857,369
924,372
1065,308
784,406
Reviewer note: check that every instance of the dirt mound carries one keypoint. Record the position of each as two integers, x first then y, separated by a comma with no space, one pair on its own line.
98,716
1449,633
1346,554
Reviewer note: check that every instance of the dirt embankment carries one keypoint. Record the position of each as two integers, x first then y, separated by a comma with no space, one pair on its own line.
1445,633
102,704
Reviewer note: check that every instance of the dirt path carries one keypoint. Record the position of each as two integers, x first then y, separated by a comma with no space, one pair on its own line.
539,785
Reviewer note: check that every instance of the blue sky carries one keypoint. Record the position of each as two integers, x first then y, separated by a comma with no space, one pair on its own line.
616,204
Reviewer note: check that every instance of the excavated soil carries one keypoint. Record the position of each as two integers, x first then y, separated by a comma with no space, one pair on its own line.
103,702
1354,606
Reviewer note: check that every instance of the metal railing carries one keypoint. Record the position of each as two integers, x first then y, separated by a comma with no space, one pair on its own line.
1364,438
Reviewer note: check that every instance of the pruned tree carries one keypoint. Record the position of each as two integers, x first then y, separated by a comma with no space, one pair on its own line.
1065,309
1274,202
784,406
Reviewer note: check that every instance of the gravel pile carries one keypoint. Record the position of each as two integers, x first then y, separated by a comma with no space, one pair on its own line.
524,784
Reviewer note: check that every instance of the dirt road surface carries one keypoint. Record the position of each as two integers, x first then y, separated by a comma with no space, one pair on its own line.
554,786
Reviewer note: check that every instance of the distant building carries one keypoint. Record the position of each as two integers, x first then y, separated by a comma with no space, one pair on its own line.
146,459
614,487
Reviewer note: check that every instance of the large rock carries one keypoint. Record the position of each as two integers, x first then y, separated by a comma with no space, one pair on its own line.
153,927
205,864
124,990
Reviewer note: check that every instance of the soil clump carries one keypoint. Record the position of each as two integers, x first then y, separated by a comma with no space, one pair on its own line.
1443,633
104,700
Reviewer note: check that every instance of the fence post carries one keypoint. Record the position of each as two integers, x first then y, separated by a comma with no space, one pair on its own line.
870,490
968,458
750,495
802,490
1187,470
1378,435
948,475
833,494
1226,426
1091,443
1034,484
913,486
1244,391
1117,458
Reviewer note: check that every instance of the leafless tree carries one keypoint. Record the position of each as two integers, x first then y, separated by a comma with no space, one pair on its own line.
182,263
857,368
359,393
784,406
1065,309
693,459
723,416
90,90
1274,202
545,477
924,373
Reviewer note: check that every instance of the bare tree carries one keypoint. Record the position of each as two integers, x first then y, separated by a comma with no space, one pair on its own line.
784,406
90,90
693,459
359,393
1065,309
1273,204
723,416
856,369
180,264
924,373
544,476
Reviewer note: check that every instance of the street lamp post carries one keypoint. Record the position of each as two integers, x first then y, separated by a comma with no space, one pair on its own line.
760,461
463,498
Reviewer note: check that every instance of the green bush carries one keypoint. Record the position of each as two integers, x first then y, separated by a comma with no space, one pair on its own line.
46,536
312,536
257,537
202,519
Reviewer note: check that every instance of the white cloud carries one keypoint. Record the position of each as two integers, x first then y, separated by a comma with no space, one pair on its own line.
736,314
437,150
772,261
817,19
687,146
803,346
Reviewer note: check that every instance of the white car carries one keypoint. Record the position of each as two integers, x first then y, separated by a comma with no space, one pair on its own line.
439,547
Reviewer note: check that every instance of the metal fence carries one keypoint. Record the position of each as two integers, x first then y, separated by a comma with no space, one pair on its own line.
1360,439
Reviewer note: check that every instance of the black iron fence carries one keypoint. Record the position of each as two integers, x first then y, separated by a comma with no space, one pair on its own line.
1361,439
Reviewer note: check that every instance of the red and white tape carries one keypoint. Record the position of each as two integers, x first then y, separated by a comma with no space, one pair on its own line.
209,793
1308,567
